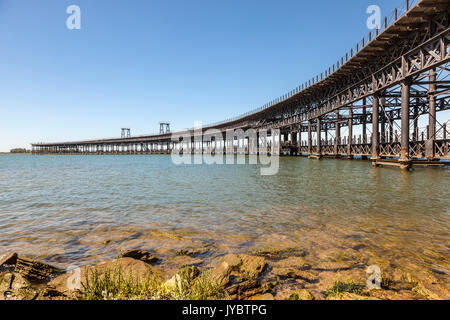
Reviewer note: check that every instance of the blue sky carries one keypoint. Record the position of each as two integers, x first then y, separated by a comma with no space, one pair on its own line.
137,62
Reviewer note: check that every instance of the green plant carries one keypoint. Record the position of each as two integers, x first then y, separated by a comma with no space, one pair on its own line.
386,282
19,150
344,286
113,285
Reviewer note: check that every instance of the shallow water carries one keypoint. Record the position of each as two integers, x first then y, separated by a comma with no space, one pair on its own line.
84,209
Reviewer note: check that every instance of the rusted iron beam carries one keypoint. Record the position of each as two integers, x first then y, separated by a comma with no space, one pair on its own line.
404,153
429,145
375,132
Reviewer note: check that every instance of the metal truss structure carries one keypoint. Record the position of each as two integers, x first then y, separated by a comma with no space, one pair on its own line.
384,88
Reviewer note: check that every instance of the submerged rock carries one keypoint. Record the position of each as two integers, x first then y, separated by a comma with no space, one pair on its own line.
293,262
233,260
280,253
190,252
142,255
221,273
252,266
184,261
334,266
291,273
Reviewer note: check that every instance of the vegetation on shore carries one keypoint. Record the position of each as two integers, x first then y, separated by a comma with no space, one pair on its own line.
347,286
189,284
140,275
19,150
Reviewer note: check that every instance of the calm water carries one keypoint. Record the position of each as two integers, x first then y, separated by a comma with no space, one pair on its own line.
82,209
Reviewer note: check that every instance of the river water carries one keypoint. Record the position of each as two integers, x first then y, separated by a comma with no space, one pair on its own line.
84,209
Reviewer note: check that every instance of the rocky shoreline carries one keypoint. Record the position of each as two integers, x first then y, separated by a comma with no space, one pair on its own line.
268,275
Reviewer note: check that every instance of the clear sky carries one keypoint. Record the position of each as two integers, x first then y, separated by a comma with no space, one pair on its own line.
135,63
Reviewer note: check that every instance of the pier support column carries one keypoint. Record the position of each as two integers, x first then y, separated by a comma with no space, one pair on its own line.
233,145
319,139
382,127
391,129
375,134
415,136
309,138
444,128
294,142
294,137
338,136
350,134
405,160
429,145
364,125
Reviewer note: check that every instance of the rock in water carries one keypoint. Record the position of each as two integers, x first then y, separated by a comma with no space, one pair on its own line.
252,266
233,261
249,288
8,259
184,261
242,265
35,271
6,279
301,294
292,273
221,273
189,252
142,255
19,282
14,286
